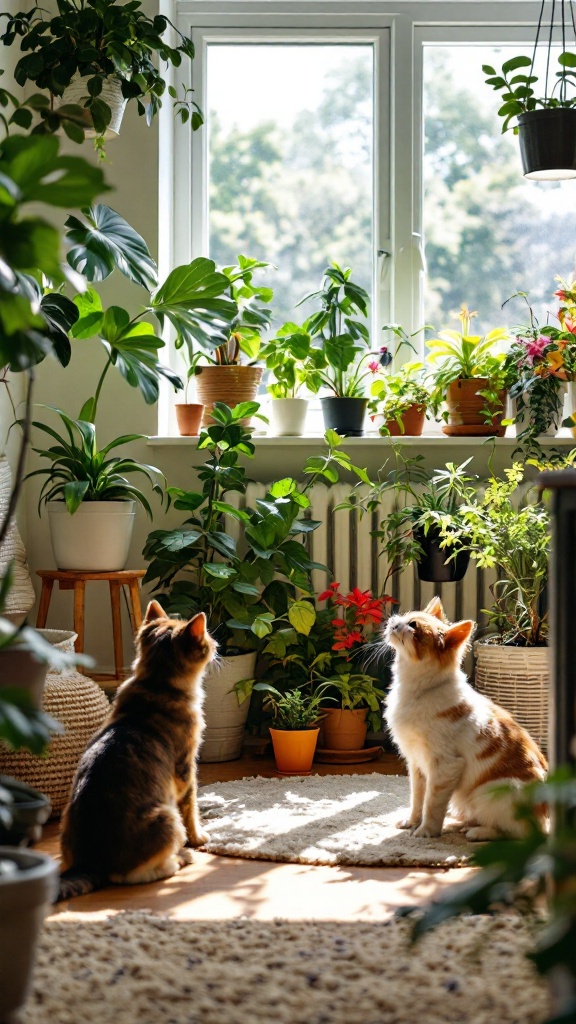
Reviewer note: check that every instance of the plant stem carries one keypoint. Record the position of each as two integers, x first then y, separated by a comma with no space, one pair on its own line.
99,387
20,465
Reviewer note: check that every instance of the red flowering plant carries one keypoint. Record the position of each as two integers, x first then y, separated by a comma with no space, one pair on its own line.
543,360
332,645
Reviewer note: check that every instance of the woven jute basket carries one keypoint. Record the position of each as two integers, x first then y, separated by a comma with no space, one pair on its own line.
81,707
516,678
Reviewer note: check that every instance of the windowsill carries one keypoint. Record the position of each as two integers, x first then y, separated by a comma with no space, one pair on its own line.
371,440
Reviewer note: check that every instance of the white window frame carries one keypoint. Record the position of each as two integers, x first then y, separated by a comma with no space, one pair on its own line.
399,32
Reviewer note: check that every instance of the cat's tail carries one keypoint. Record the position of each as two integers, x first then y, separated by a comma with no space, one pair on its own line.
76,882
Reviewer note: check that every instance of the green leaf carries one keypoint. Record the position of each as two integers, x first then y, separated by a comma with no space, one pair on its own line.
106,242
302,615
514,63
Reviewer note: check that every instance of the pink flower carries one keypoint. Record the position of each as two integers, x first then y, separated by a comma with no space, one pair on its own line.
374,366
535,348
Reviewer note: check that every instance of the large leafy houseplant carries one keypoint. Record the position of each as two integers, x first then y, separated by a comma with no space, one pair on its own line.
32,171
340,330
242,584
99,41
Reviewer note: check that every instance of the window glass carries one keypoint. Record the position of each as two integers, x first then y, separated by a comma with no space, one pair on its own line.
291,162
489,232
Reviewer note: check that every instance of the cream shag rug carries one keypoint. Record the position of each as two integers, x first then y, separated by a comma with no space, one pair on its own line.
138,969
322,819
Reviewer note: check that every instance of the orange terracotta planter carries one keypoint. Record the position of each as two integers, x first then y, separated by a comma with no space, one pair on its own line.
228,384
465,416
413,420
294,749
344,728
189,418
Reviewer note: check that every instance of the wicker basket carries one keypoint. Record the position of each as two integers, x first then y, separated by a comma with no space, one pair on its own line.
81,706
517,679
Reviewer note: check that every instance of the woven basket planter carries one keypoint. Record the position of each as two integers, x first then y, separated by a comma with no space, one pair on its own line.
516,678
81,707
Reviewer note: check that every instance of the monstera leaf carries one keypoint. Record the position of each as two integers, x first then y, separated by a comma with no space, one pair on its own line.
108,241
193,299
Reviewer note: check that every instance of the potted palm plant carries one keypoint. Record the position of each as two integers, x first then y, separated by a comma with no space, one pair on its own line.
545,124
340,330
98,55
469,375
294,734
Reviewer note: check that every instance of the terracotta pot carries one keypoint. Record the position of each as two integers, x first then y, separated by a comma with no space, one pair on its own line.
412,420
294,749
465,405
228,384
344,728
189,418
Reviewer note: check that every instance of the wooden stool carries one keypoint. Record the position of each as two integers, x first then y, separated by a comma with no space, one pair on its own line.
76,581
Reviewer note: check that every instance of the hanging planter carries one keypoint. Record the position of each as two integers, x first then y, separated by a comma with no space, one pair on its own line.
546,123
77,93
433,566
548,143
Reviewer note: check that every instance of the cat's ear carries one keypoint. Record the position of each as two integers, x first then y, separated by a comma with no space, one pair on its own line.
154,611
197,626
434,607
458,634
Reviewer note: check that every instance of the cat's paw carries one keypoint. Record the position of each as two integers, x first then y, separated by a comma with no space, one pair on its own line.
406,823
185,856
427,831
199,838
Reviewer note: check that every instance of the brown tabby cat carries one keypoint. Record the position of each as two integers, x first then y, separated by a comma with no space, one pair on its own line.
132,809
457,742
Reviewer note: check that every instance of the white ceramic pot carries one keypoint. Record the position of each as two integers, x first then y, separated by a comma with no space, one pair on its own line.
288,416
225,718
77,93
95,539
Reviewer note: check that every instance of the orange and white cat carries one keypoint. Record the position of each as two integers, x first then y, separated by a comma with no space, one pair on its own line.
457,743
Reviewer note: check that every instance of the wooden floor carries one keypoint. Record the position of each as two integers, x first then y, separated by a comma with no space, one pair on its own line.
220,888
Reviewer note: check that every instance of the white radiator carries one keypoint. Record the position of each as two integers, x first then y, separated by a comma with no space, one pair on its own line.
344,544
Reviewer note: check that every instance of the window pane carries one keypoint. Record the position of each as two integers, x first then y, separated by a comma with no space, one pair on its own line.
290,162
489,232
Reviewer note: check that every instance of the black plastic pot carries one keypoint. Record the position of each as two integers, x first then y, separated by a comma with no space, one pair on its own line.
344,415
24,811
548,143
433,567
